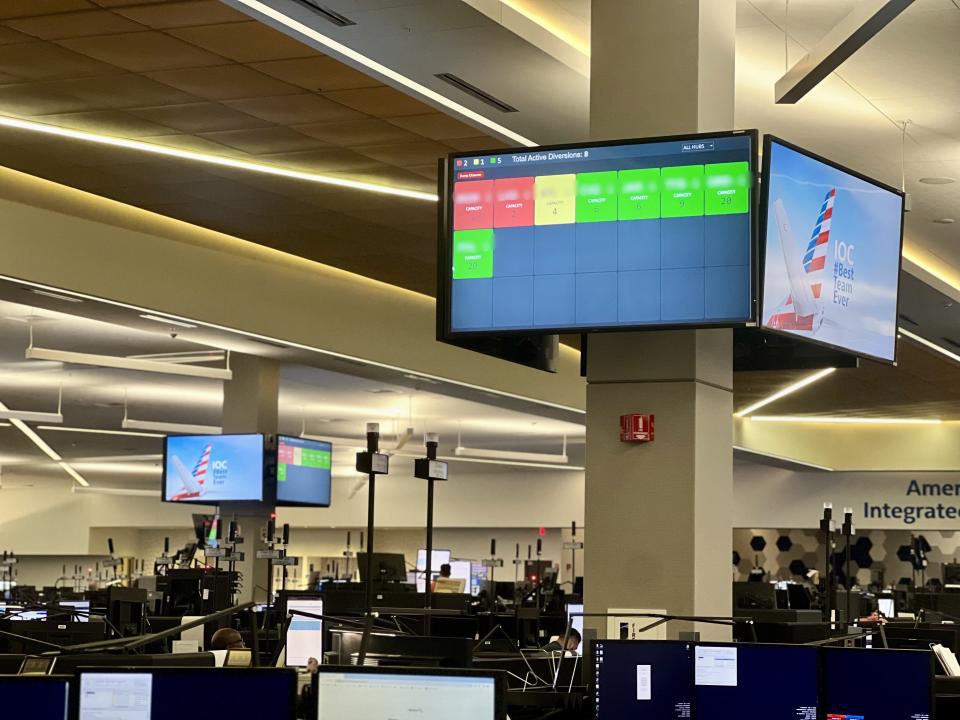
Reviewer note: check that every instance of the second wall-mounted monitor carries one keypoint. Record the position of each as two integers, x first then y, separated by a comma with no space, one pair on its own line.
647,233
210,469
832,242
303,471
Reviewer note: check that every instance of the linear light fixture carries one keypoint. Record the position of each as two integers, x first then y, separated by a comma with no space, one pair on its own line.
167,321
781,458
931,345
788,390
511,455
115,491
56,296
98,431
347,52
170,427
44,448
30,416
126,143
511,463
184,358
125,363
845,420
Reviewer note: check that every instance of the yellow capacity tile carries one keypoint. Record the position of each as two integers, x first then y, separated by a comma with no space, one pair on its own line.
555,199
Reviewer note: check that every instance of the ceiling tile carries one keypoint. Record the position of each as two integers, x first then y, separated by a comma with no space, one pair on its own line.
294,109
9,35
120,91
226,82
25,8
261,141
436,126
27,99
473,144
143,51
418,153
107,122
317,74
45,61
245,42
198,117
77,24
368,131
161,16
194,143
379,101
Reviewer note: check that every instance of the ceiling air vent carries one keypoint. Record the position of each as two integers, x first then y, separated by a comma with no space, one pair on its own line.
949,341
476,92
909,320
331,16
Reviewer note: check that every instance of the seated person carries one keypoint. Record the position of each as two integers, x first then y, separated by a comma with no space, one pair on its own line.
227,639
573,643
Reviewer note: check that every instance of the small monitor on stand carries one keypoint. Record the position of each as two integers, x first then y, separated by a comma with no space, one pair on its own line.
387,567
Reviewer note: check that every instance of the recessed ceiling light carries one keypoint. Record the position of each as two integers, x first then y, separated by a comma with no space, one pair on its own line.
937,180
55,296
168,321
945,221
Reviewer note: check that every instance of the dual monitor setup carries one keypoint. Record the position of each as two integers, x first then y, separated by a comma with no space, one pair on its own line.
671,680
213,469
670,233
361,693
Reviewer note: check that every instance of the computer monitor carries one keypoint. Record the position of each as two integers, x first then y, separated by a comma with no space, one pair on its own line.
887,607
657,232
371,693
304,634
575,622
832,240
82,605
437,558
639,678
852,686
210,469
387,567
303,471
37,697
478,578
161,693
775,681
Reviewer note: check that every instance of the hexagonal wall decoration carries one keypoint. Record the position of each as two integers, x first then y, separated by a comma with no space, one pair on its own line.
798,567
757,543
784,543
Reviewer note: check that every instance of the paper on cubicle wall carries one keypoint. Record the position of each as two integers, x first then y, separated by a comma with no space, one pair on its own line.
620,626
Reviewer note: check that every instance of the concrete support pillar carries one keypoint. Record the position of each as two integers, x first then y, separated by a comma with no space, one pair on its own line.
660,514
250,405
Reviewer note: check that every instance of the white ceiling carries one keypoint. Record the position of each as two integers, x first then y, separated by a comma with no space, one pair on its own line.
315,400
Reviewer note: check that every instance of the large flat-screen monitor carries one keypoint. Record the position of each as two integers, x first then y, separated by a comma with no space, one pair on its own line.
210,469
437,558
851,688
36,697
775,681
639,679
304,634
159,694
831,242
303,471
646,233
372,693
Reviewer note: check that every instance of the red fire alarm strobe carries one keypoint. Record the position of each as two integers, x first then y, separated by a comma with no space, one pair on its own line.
636,428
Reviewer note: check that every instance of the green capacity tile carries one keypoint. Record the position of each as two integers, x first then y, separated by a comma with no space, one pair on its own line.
682,191
472,254
639,194
728,188
281,472
315,458
596,196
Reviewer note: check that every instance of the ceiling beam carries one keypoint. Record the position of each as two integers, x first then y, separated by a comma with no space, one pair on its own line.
866,19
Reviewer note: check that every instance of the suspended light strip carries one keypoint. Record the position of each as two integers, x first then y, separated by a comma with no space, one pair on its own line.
123,363
845,420
46,449
170,427
931,345
98,431
29,125
789,390
370,64
781,458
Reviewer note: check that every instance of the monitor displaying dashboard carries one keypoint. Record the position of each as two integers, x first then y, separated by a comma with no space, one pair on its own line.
626,234
303,471
831,242
210,469
851,690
